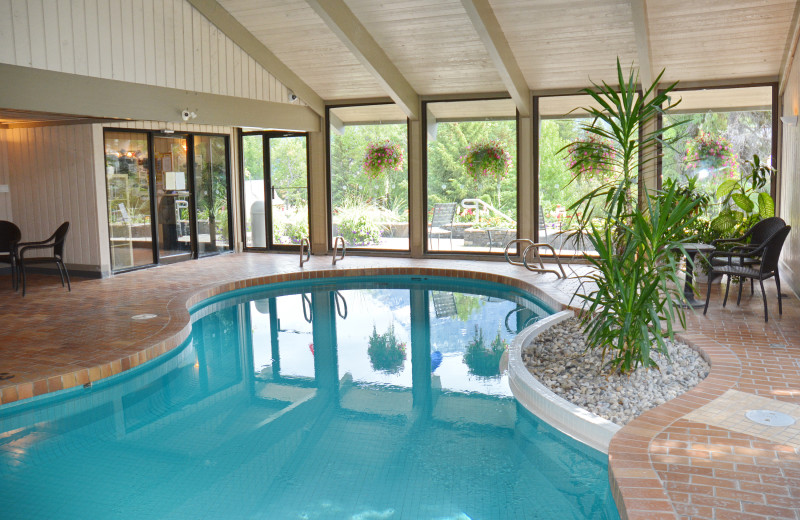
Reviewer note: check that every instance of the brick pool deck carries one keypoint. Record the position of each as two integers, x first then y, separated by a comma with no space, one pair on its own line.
695,457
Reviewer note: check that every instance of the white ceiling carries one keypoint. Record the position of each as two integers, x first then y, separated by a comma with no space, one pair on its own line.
557,45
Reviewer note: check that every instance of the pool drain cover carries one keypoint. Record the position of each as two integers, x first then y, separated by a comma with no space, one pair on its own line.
143,316
769,418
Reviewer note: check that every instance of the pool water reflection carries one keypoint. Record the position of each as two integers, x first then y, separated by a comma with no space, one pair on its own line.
355,400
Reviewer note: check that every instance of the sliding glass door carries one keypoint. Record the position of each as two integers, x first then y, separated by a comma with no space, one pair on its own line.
173,199
166,204
211,194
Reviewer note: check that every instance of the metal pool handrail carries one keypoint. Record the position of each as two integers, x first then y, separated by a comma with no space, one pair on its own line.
534,246
336,241
305,245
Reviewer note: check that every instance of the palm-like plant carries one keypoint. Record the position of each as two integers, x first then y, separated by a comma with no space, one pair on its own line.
633,305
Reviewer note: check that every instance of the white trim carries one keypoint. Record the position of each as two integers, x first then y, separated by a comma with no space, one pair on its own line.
588,428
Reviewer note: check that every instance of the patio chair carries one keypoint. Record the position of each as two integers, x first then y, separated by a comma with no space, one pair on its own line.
54,243
443,215
767,253
10,236
761,231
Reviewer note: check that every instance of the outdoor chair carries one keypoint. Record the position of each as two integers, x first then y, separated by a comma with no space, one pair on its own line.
10,236
755,236
767,253
443,215
56,244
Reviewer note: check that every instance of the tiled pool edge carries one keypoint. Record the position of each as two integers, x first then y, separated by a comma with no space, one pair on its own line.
590,429
178,327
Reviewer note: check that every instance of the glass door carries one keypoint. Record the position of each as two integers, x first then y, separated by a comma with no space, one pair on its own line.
128,189
288,177
275,169
173,199
211,193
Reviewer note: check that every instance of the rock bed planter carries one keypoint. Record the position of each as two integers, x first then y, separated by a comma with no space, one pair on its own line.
559,360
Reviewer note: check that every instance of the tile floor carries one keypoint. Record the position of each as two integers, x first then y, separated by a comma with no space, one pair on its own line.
675,461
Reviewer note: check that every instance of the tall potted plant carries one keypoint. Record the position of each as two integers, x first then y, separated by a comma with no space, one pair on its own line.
632,308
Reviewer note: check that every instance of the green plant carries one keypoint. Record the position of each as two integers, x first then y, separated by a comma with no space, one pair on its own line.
636,273
746,195
386,352
380,157
637,285
482,361
487,160
359,229
709,152
591,156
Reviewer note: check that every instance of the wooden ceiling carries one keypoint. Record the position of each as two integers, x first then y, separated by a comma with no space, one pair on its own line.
556,46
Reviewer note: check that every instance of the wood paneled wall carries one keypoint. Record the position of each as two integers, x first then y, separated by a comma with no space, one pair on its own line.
789,169
166,43
5,198
52,180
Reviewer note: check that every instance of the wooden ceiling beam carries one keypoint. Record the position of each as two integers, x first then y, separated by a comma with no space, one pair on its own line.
344,24
642,32
491,34
237,32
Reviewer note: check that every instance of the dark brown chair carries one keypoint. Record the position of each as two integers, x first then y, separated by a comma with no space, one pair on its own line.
767,253
54,243
10,236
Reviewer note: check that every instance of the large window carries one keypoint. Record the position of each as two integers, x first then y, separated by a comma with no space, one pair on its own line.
157,189
561,187
721,129
471,175
369,176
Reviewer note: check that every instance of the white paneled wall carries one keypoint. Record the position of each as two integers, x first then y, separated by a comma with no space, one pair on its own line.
5,198
166,43
52,181
790,179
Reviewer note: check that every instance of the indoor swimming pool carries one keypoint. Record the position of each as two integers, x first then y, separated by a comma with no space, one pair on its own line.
378,398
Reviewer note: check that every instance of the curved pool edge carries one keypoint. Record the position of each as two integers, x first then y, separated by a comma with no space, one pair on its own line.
588,428
178,327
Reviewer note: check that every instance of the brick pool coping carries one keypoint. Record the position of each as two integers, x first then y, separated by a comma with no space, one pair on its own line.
660,465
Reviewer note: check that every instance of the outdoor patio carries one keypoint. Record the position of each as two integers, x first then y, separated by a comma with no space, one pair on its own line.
677,459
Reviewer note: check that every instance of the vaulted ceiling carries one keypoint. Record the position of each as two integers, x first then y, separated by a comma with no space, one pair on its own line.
359,49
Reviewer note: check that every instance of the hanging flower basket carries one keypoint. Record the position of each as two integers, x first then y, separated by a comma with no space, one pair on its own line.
381,157
709,152
487,160
591,157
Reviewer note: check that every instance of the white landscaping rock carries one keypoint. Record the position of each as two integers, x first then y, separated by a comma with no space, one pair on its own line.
559,360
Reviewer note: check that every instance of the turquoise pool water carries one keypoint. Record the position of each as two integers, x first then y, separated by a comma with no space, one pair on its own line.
357,399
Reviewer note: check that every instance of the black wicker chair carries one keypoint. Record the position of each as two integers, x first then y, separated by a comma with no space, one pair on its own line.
10,236
755,236
56,244
767,254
